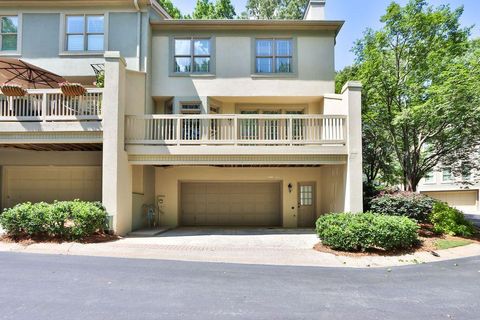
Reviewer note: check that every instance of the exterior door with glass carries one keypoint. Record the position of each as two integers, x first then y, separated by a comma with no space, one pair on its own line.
306,204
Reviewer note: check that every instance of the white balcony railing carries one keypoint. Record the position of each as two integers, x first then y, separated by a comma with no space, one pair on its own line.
237,129
51,105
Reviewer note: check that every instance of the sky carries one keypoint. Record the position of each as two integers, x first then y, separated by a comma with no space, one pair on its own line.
358,16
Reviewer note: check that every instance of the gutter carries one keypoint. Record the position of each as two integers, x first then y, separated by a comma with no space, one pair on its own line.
157,7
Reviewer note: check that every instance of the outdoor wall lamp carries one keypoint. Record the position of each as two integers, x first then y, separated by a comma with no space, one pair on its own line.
290,187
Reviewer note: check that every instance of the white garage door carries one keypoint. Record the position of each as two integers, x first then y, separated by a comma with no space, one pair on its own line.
465,200
230,204
40,183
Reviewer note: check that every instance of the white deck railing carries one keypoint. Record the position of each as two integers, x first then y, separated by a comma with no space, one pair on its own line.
237,129
51,105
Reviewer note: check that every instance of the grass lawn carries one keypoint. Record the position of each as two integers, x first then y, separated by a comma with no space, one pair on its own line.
451,243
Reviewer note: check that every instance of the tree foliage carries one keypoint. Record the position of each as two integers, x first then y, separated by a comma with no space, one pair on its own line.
421,77
221,9
276,9
378,162
173,11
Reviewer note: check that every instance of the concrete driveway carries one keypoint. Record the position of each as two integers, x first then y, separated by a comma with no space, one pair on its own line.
240,238
291,247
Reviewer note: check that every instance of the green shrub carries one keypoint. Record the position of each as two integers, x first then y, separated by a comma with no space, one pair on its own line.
65,220
14,220
87,218
363,231
411,205
446,219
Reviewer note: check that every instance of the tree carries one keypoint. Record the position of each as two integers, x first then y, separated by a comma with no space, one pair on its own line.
276,9
204,10
422,86
222,9
378,163
173,11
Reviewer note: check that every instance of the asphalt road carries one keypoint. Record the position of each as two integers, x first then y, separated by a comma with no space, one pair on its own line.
69,287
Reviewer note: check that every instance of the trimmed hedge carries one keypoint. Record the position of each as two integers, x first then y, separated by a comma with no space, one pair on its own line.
66,220
446,219
406,204
364,231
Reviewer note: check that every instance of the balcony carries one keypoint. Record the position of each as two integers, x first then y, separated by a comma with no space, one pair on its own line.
236,130
46,116
43,105
291,136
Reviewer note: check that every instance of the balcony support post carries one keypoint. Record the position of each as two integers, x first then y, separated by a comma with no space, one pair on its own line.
43,114
116,173
352,97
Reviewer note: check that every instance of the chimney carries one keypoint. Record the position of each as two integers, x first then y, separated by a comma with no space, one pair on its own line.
315,10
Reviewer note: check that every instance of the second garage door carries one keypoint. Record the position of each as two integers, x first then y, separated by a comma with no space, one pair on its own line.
465,200
39,183
230,204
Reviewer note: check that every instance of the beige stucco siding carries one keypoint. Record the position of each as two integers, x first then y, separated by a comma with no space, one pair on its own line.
233,65
329,181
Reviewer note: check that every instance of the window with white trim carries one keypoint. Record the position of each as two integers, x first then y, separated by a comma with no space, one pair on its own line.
446,175
192,55
273,55
9,33
85,33
429,177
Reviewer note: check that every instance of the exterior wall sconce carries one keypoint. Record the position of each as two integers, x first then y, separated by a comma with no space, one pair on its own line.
290,188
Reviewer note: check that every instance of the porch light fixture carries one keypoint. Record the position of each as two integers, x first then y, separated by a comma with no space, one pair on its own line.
290,188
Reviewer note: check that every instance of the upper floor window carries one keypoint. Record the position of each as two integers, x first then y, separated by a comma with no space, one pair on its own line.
192,55
446,175
9,33
273,55
429,177
85,33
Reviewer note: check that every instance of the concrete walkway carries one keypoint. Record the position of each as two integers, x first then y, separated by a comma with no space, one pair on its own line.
245,246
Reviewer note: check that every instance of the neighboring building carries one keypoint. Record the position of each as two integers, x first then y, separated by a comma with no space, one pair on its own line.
228,123
461,193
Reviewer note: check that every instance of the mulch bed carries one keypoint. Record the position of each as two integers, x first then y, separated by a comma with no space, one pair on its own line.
25,240
427,237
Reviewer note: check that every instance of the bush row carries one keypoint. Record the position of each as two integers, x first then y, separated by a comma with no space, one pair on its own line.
66,220
364,231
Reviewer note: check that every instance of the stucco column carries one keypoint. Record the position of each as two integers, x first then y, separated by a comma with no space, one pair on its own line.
116,173
352,97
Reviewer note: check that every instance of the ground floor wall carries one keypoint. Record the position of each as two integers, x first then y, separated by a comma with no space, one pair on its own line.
49,175
329,182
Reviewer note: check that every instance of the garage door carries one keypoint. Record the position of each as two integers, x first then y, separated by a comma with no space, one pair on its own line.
230,204
462,200
39,183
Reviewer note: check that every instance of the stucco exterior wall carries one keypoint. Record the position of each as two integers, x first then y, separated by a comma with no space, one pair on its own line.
135,94
42,32
233,64
329,183
54,158
143,181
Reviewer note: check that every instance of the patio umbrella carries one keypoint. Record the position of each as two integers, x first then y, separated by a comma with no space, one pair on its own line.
16,71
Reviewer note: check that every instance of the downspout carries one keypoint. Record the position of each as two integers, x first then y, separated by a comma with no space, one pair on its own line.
139,33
